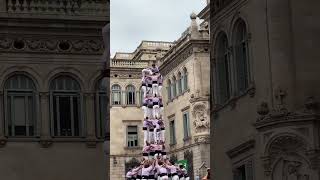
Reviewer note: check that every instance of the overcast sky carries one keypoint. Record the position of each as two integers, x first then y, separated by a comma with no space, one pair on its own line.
160,20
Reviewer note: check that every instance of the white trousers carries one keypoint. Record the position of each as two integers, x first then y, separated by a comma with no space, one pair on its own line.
164,178
145,137
176,177
156,111
151,137
162,134
145,111
144,90
159,90
161,111
155,89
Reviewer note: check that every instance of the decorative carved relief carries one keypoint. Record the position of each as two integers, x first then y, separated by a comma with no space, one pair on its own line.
5,43
284,149
202,139
311,105
263,109
280,96
200,114
90,46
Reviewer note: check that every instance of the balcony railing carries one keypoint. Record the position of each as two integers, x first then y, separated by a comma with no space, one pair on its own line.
128,64
58,7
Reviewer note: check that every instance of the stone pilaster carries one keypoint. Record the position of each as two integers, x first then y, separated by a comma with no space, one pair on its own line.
45,138
3,139
90,117
1,115
198,78
123,98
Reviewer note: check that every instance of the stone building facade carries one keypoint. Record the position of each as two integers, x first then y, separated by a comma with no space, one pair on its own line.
126,100
184,63
265,90
185,68
52,110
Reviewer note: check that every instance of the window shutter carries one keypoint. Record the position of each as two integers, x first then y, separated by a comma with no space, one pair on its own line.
183,84
186,81
188,125
185,125
169,93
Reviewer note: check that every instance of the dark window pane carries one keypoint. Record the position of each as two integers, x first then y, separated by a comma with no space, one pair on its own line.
76,116
65,118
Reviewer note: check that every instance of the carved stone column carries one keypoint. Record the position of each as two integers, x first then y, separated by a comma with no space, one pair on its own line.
138,99
198,78
123,99
90,117
45,138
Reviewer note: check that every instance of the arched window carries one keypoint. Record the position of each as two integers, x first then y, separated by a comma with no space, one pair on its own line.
174,87
102,124
116,94
20,106
222,69
179,83
66,107
241,56
169,90
130,95
185,79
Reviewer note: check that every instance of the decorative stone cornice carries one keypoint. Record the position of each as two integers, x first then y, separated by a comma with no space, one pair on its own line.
52,45
280,114
124,73
246,146
175,57
198,99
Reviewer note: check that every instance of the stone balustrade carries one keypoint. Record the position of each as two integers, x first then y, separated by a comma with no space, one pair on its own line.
58,7
128,64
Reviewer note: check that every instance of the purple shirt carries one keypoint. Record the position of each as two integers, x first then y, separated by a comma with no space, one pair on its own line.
155,100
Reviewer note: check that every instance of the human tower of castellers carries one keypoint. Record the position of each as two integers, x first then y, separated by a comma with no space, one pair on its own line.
154,164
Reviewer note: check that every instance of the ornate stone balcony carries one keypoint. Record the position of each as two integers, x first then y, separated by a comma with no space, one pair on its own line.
128,64
55,8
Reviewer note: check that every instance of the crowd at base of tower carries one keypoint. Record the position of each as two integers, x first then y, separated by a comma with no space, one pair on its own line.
154,164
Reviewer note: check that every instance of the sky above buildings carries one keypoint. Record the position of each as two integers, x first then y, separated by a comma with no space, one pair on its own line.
157,20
